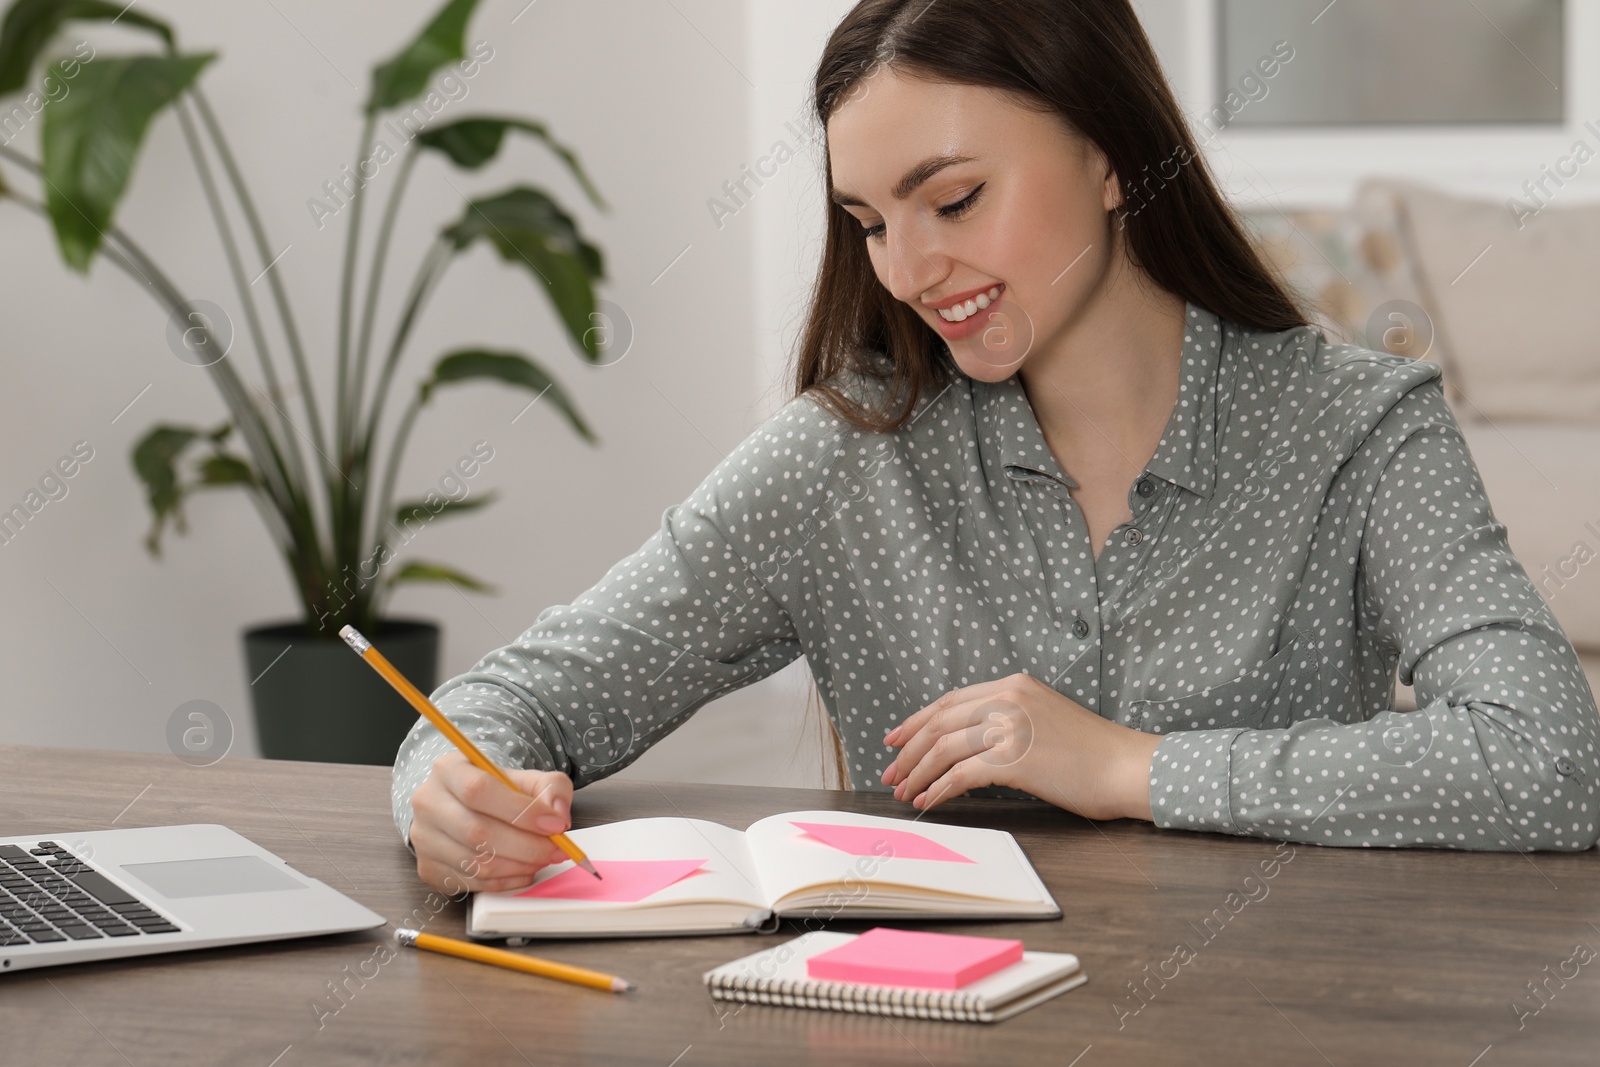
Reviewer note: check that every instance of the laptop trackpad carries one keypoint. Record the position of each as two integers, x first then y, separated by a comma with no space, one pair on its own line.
212,877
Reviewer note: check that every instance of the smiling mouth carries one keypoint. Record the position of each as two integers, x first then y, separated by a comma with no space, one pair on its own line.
965,310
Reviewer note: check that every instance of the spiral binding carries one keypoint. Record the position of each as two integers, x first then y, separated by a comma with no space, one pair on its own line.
949,1005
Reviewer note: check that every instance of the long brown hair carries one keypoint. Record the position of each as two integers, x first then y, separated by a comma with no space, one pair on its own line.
1088,62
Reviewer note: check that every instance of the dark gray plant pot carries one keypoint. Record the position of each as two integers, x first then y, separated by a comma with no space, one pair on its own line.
320,701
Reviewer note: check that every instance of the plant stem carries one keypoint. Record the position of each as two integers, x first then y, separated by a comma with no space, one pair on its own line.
375,282
344,507
346,429
264,250
380,257
291,445
428,274
397,447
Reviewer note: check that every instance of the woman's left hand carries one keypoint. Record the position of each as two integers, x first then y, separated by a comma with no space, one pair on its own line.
1019,732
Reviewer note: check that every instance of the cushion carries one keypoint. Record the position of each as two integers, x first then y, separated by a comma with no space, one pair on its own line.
1514,300
1350,268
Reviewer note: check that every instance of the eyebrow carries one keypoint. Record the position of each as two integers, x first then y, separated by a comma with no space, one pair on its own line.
909,183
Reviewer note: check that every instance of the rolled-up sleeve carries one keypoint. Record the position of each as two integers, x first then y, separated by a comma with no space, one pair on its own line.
1503,752
689,616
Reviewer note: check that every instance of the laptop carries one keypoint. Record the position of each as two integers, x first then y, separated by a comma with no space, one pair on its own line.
105,894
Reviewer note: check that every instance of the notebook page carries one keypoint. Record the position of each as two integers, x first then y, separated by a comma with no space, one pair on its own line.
789,858
727,875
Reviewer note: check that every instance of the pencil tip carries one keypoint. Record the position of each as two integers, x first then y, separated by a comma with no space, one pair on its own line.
588,866
621,985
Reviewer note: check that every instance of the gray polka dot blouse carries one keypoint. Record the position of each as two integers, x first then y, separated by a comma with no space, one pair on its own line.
1311,519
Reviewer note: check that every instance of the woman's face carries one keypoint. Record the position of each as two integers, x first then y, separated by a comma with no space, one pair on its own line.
1024,208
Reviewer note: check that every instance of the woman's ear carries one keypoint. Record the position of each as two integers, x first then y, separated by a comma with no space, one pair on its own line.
1093,160
1111,191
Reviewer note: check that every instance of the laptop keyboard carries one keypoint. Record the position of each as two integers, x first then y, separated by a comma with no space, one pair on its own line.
48,894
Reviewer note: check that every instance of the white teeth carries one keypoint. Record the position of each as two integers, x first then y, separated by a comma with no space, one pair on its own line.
963,311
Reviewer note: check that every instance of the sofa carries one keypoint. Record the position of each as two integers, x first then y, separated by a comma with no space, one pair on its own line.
1505,296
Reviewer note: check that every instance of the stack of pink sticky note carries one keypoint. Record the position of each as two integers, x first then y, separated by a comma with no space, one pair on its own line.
885,956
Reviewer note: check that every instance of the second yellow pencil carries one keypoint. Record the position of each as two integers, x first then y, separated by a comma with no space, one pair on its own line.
499,957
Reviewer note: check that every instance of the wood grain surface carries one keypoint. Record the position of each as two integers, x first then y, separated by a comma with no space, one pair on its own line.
1199,948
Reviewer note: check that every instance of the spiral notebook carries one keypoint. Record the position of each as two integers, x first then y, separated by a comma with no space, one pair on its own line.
778,976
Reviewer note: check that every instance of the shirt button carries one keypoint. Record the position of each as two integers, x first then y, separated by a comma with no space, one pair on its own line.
1081,628
1145,487
1563,765
1133,536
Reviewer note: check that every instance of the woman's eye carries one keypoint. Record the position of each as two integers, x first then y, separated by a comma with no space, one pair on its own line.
949,211
962,206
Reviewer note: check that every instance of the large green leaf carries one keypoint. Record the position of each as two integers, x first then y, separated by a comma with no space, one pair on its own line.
406,74
527,227
92,136
223,469
422,510
418,571
472,142
471,364
30,24
155,461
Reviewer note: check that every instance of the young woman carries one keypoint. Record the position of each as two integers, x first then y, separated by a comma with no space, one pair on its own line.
1071,502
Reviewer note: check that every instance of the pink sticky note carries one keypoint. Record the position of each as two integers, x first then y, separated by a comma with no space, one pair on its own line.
885,956
623,881
875,841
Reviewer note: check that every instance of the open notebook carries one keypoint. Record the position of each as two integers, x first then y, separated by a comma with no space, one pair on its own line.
690,876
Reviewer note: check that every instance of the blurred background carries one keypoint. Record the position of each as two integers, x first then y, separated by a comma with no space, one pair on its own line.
1421,169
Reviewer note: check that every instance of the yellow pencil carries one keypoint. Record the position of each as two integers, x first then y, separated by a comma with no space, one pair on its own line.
466,950
379,663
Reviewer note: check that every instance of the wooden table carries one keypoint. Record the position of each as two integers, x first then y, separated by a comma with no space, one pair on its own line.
1343,956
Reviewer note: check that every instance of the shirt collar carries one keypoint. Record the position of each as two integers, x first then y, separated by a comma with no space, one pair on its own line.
1186,455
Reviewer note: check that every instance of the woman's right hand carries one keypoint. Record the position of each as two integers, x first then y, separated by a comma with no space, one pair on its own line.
471,832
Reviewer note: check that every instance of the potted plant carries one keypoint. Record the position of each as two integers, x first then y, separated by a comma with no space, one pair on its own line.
336,526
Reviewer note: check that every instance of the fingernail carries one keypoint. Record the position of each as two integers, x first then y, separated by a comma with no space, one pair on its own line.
889,738
550,824
562,808
917,801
